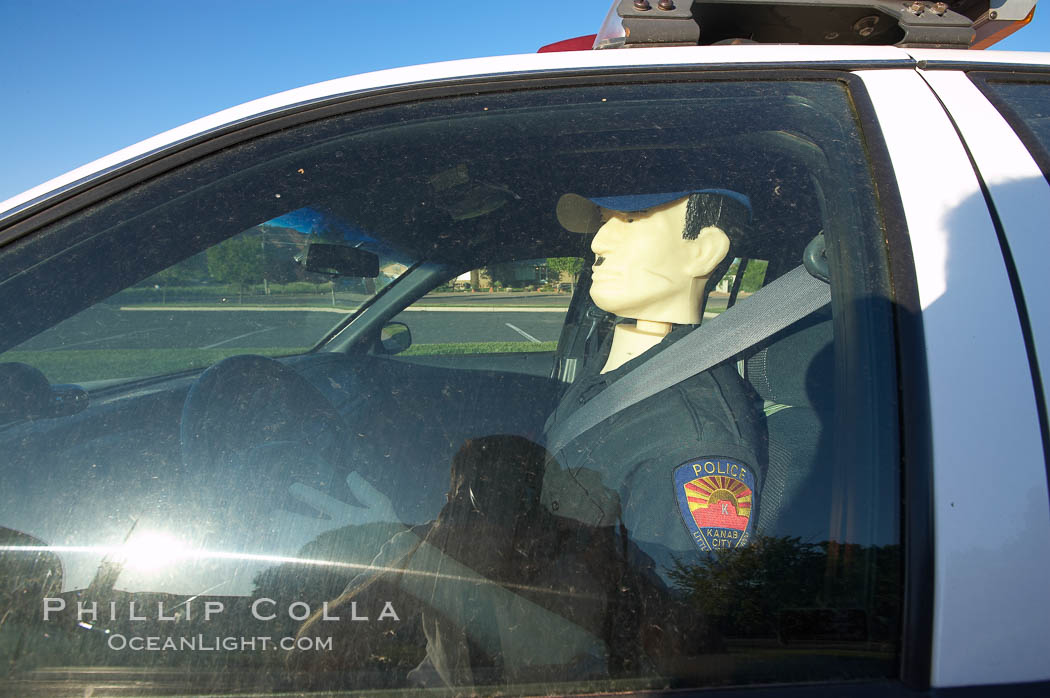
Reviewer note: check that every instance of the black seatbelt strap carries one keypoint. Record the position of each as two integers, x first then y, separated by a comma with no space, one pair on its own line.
790,298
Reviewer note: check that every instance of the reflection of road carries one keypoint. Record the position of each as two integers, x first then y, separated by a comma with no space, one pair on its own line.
107,327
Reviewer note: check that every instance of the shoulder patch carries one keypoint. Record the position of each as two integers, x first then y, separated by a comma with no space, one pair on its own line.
715,498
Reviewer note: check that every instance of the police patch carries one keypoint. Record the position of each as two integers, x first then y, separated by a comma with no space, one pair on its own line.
715,498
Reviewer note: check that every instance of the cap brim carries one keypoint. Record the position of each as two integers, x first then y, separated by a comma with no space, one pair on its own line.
578,214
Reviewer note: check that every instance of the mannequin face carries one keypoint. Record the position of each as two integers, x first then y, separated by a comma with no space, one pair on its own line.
645,270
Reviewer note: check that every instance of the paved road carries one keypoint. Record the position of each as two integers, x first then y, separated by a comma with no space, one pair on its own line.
109,327
551,300
451,326
438,318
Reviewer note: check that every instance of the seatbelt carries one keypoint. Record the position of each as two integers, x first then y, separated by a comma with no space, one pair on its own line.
790,298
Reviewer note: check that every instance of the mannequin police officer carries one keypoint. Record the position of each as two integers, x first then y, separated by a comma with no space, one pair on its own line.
681,471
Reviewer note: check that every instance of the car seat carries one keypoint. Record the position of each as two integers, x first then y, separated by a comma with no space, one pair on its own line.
793,372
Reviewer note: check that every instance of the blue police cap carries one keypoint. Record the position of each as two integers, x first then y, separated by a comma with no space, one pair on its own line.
579,214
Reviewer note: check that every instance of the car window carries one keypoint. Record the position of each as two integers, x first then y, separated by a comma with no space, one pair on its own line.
348,516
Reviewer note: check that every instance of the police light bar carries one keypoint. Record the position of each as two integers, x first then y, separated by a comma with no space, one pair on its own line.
906,23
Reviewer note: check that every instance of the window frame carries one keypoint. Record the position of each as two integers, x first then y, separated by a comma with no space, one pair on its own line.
910,385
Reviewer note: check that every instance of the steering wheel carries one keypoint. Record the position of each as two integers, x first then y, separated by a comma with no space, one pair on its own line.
250,414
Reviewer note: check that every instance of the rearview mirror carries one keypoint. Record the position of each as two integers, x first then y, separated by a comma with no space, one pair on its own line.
340,260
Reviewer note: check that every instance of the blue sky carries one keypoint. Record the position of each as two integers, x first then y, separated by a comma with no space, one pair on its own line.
82,79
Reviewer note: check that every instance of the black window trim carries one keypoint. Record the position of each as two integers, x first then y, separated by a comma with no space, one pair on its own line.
984,67
915,419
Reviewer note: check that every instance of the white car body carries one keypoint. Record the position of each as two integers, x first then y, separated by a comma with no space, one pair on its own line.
950,148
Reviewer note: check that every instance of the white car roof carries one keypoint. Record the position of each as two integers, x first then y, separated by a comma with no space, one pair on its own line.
723,56
476,67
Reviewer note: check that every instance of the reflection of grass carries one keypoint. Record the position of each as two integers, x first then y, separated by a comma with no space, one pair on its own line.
476,348
218,291
80,365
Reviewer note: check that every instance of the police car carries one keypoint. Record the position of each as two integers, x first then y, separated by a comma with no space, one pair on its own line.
281,389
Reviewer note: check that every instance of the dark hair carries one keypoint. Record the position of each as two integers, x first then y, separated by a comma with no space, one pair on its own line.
709,208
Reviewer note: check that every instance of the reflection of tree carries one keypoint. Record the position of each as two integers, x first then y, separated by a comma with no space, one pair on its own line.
779,583
186,272
239,260
565,265
754,274
502,274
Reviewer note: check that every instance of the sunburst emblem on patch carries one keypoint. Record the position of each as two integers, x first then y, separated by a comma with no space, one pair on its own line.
715,498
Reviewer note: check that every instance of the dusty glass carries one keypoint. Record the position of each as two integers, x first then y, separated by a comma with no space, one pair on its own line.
376,508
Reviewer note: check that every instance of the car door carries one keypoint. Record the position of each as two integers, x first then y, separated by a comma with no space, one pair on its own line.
241,514
984,399
1014,172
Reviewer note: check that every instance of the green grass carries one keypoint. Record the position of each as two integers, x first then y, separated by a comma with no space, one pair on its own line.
143,294
82,365
476,348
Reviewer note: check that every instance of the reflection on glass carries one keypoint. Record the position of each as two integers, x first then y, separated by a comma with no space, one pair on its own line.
353,519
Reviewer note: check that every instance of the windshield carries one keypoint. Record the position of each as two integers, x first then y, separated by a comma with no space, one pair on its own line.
253,293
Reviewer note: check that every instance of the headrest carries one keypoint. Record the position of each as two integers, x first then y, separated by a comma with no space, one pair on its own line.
796,366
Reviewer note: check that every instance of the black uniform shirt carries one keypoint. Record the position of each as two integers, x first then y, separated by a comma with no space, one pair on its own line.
681,470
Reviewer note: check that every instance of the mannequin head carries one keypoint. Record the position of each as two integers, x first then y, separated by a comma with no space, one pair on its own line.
654,255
